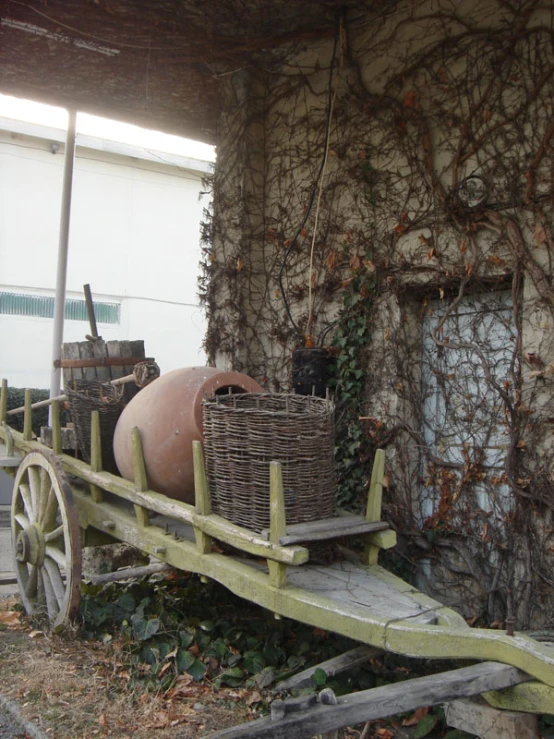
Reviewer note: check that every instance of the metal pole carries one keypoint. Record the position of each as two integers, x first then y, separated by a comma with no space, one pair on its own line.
63,246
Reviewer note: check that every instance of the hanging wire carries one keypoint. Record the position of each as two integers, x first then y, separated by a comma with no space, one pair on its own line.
294,239
319,186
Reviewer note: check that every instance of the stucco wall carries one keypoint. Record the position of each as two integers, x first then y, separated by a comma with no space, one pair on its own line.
424,99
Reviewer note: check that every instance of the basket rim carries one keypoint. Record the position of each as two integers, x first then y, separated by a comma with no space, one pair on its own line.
313,404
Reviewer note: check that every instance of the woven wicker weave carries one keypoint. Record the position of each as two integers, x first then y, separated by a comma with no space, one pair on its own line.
243,433
85,396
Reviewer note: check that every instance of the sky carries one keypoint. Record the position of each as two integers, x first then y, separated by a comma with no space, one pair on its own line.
91,125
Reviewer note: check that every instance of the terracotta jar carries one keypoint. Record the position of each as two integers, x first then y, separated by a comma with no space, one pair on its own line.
168,414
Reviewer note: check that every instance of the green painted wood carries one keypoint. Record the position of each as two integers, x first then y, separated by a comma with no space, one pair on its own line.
380,540
203,504
531,697
325,529
449,638
374,505
139,475
3,401
95,454
139,467
277,521
28,417
56,427
95,442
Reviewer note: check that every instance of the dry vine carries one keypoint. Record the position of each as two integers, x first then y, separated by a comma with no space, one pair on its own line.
438,185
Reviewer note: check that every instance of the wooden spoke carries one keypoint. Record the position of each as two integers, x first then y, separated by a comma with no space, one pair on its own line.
45,488
31,584
56,580
27,502
51,535
57,555
46,537
22,520
50,510
34,486
51,602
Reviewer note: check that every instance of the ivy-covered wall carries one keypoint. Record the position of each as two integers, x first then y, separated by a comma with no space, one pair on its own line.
388,193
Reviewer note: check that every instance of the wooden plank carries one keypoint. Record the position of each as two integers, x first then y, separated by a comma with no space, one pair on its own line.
3,400
202,500
114,350
70,350
328,528
374,505
28,417
86,351
334,666
349,585
99,351
57,446
95,454
129,572
139,475
377,703
278,523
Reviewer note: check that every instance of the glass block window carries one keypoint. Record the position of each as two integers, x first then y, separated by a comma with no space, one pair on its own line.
42,306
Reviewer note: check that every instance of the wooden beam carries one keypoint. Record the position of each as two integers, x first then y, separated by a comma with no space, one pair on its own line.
202,502
3,400
374,504
95,454
389,700
56,428
139,475
28,417
328,528
331,667
278,523
129,572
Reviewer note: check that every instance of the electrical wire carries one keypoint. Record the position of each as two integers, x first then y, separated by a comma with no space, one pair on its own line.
317,181
319,186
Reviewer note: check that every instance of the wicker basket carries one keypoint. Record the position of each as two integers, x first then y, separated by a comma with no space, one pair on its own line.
243,433
85,396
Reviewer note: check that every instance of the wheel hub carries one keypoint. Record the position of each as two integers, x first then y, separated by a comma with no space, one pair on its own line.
29,546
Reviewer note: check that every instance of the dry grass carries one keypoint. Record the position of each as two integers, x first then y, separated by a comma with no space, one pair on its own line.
73,689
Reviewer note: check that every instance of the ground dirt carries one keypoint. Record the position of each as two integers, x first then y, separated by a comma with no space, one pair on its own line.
74,689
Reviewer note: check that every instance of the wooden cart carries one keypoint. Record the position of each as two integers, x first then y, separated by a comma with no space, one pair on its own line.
61,504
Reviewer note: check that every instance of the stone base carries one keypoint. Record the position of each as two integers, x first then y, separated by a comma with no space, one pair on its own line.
490,723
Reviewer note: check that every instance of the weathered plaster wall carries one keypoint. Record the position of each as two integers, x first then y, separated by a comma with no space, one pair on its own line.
423,100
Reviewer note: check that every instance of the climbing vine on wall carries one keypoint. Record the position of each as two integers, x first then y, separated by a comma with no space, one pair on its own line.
438,179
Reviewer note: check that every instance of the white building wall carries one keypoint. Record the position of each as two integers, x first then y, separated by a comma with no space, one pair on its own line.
134,237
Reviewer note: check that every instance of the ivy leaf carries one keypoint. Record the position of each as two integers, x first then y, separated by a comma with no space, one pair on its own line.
197,670
144,629
425,726
254,662
126,602
186,638
233,676
266,677
319,677
184,660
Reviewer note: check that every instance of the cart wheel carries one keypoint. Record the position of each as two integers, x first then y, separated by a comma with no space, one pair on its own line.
46,539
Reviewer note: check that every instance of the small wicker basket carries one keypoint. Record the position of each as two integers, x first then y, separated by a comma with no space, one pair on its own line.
243,433
85,396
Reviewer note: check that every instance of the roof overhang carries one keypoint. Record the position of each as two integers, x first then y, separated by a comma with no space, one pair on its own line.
153,63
